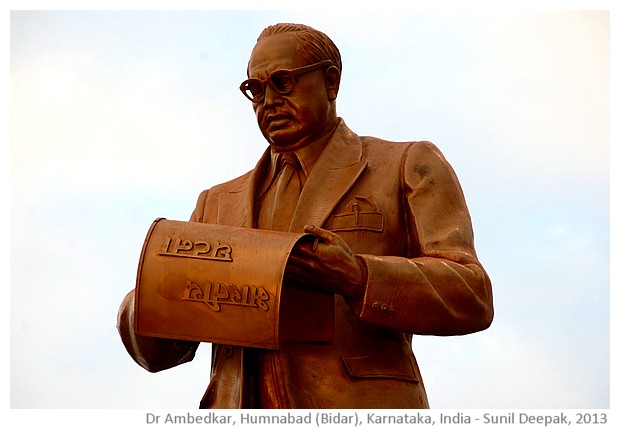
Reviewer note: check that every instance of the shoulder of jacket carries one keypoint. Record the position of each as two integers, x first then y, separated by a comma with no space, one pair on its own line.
207,196
418,144
230,185
418,149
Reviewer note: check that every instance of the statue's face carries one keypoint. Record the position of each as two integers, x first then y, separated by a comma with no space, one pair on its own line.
289,121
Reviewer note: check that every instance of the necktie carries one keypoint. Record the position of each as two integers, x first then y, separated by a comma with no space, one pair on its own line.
287,189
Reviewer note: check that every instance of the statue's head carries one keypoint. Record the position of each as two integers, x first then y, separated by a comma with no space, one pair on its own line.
293,80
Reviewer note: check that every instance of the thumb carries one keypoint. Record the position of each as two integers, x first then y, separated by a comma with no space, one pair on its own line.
326,236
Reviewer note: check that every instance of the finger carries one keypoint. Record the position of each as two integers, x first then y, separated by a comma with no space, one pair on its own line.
294,276
302,262
323,234
305,250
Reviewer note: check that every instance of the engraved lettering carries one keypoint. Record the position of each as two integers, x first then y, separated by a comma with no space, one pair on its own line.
182,245
193,292
260,298
184,248
166,246
218,294
222,251
215,295
206,246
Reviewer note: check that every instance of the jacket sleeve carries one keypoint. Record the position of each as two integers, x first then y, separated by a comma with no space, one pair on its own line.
155,354
199,213
442,289
152,354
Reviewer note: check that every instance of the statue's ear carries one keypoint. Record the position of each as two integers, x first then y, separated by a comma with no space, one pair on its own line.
332,82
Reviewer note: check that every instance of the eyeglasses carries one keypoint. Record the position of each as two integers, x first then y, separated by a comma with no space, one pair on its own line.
282,81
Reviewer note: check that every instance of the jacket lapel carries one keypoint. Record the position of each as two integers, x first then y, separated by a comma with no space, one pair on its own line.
337,169
237,207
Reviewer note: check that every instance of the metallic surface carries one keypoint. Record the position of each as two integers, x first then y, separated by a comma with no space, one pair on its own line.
222,284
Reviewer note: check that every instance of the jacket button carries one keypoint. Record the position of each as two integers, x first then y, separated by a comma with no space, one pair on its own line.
383,307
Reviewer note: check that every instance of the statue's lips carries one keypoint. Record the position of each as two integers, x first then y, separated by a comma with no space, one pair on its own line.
278,120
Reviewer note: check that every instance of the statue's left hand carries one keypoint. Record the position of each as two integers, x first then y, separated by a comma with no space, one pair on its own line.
326,264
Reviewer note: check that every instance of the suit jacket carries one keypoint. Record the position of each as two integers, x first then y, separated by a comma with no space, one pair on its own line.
400,208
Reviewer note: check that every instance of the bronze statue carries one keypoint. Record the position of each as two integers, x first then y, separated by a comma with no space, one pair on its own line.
395,245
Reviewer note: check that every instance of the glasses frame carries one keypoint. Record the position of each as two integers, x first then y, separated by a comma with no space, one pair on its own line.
293,73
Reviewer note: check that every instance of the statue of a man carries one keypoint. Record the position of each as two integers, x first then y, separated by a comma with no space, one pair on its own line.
395,245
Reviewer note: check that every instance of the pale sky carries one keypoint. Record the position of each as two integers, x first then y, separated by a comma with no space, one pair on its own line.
118,118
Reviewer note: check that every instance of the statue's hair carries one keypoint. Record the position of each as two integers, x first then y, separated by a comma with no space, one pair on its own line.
312,45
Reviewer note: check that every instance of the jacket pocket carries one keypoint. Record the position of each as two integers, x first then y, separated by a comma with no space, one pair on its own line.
391,366
360,214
